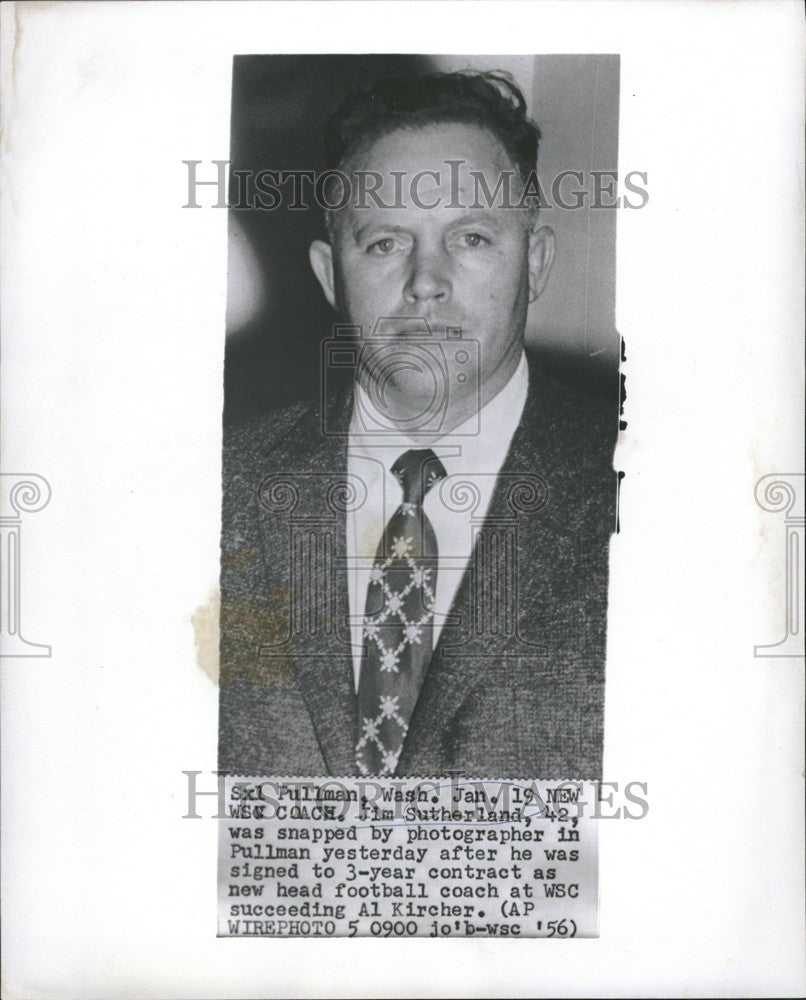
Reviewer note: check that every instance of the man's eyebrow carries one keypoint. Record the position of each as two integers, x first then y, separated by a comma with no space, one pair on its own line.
477,216
375,224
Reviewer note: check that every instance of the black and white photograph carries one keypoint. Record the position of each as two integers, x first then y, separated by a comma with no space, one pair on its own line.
414,559
402,499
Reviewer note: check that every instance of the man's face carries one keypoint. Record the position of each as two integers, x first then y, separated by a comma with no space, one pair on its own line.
454,265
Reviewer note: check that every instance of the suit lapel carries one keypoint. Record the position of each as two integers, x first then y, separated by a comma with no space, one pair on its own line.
472,653
312,533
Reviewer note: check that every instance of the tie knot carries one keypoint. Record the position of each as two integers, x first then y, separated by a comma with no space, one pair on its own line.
417,471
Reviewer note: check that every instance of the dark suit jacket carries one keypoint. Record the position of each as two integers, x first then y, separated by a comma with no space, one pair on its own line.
516,684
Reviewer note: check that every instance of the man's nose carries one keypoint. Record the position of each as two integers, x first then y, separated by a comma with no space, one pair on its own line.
428,277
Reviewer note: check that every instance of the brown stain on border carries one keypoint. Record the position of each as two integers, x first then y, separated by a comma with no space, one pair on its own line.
205,621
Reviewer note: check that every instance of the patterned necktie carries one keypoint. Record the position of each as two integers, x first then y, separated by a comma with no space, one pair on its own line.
399,618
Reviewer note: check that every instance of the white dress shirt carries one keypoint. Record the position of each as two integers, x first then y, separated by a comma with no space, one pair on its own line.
472,454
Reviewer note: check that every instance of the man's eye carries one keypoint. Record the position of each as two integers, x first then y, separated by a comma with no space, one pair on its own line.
474,240
382,247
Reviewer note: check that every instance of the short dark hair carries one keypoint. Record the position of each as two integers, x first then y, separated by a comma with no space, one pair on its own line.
489,100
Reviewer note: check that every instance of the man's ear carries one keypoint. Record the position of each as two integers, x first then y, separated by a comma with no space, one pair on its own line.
320,255
541,257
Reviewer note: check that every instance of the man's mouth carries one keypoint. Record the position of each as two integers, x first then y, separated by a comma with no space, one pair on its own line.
420,327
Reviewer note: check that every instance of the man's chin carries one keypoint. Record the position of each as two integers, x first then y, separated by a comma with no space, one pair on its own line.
404,395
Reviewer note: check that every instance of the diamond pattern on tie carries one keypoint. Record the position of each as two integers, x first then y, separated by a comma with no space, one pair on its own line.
398,619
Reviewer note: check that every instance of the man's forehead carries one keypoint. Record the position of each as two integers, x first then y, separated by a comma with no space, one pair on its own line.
439,172
448,148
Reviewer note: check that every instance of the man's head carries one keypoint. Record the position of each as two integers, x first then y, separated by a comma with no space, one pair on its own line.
439,226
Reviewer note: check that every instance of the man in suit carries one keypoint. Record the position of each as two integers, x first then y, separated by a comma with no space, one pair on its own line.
414,570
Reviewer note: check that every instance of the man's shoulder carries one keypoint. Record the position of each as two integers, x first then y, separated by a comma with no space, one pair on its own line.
256,437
